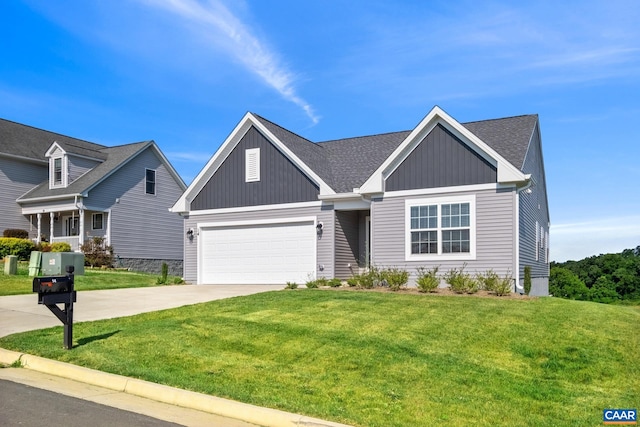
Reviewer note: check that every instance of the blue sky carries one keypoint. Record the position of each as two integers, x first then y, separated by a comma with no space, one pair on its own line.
184,72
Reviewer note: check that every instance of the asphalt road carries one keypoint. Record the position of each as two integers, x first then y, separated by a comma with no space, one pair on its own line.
22,405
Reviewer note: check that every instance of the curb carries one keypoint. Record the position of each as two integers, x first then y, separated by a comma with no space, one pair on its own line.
188,399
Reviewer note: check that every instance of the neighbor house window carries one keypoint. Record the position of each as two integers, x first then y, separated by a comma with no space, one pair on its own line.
97,221
252,165
441,228
150,181
57,171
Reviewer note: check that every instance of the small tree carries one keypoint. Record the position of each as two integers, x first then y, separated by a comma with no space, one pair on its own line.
96,253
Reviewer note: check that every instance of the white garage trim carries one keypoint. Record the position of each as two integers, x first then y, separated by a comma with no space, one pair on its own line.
291,259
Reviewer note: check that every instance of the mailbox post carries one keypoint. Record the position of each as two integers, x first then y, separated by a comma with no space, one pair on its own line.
58,290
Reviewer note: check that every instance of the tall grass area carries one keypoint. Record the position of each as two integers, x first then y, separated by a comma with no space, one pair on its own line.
92,279
379,359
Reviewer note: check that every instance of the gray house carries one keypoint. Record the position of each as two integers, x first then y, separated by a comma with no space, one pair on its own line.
271,206
63,189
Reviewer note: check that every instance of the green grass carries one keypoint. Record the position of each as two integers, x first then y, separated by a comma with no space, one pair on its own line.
378,359
96,279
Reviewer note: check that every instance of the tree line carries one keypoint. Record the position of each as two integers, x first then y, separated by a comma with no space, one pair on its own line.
606,278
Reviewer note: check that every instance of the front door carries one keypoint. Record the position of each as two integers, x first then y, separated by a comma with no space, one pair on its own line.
72,226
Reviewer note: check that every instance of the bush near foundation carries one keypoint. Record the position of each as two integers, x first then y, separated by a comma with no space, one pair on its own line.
13,246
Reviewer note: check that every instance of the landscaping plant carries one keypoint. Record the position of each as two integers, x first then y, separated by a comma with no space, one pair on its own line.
427,280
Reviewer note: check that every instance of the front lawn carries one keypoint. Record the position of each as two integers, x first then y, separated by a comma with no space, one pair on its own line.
93,279
378,359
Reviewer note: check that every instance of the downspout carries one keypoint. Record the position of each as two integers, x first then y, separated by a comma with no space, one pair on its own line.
518,288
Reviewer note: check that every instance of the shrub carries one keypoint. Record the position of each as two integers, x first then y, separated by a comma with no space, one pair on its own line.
162,280
488,281
604,291
178,280
353,281
291,285
43,247
60,247
13,246
369,279
15,232
311,284
335,283
527,279
321,281
503,285
96,253
461,282
395,278
427,280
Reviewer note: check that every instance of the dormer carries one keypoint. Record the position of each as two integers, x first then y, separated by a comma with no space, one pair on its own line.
58,166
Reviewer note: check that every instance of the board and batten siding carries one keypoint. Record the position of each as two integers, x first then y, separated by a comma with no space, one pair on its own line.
441,160
346,244
16,178
534,210
141,224
325,245
495,234
280,180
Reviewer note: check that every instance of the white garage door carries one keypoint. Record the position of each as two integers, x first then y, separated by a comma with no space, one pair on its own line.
258,254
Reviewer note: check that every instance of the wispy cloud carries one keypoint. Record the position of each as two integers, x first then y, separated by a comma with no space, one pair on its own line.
215,19
582,239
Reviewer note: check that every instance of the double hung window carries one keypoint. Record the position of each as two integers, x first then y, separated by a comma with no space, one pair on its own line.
440,228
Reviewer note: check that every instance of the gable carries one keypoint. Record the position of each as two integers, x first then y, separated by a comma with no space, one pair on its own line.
280,180
441,160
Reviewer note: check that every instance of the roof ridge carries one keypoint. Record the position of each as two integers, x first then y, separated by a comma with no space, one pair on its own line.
500,118
362,136
51,132
281,127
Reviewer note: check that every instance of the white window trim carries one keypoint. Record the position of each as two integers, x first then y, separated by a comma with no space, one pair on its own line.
63,171
155,182
252,165
466,256
93,215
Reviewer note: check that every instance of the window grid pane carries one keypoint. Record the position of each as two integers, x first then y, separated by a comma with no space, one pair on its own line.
424,242
424,217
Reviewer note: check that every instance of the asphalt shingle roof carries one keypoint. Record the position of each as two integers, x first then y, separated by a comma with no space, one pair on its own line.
345,164
26,141
115,157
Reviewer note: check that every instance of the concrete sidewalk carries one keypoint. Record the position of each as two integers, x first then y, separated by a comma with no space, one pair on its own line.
20,313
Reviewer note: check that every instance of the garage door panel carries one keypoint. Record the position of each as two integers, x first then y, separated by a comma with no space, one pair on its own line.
262,254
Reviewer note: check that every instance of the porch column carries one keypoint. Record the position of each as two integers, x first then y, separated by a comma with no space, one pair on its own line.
81,231
108,230
51,227
39,227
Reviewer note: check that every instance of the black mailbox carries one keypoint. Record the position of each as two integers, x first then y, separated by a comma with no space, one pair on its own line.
58,284
58,290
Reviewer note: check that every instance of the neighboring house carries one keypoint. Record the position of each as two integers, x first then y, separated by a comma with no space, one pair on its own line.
271,206
62,189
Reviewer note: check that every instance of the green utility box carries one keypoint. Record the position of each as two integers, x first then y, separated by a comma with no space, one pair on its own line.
55,263
11,264
34,263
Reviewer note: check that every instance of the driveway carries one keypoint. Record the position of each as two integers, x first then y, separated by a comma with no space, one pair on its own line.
20,313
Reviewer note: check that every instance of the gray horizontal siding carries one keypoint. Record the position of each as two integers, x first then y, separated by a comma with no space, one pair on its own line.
16,178
280,181
495,234
533,207
79,166
141,224
325,248
441,160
